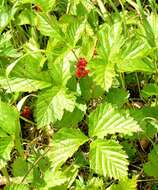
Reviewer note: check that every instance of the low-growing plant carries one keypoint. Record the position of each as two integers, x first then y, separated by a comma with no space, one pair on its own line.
78,94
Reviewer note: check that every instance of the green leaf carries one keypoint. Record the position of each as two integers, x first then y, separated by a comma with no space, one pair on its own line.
149,90
109,120
6,47
51,104
71,173
53,179
60,70
65,143
75,30
110,41
4,17
45,5
122,96
57,178
93,183
27,16
133,57
151,167
102,73
48,25
8,118
107,158
15,84
22,170
28,66
6,145
9,122
147,118
124,183
136,65
14,186
67,120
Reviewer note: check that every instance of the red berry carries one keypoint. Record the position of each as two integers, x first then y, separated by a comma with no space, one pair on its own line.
84,73
82,62
81,68
26,112
78,73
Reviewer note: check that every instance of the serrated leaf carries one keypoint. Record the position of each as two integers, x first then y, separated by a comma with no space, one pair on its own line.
124,183
60,71
136,65
51,104
122,96
133,57
45,5
48,25
6,47
93,183
22,170
107,158
14,186
28,67
65,177
15,84
110,41
67,120
75,30
151,167
53,179
71,173
102,73
65,143
150,89
108,120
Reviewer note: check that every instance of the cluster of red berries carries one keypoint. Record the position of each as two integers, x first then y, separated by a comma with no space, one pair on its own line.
26,112
81,70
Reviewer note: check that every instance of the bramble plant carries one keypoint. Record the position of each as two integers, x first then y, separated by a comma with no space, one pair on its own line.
78,94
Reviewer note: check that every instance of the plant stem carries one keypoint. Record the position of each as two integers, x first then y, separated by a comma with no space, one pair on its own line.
27,120
5,173
122,81
34,164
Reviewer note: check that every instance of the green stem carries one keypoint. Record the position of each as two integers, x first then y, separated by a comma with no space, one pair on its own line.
5,173
138,84
27,120
34,164
122,81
